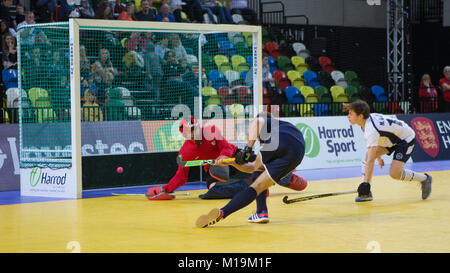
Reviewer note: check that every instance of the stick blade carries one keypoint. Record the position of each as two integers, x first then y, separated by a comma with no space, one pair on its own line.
285,199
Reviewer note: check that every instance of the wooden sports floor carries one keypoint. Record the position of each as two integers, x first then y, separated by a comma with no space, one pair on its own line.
397,220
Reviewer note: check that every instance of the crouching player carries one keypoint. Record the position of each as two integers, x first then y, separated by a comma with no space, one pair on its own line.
281,151
203,144
385,135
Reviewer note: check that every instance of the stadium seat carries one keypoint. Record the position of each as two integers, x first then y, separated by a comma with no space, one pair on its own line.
267,99
337,75
337,91
298,47
244,95
294,75
281,79
324,94
377,90
284,64
232,77
219,59
208,91
236,60
309,94
10,78
214,75
236,109
297,60
325,79
293,95
227,95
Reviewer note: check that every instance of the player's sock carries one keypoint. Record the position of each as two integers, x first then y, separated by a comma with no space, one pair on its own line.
239,201
408,175
261,204
363,169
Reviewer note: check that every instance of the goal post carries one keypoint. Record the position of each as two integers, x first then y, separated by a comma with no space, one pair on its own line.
143,117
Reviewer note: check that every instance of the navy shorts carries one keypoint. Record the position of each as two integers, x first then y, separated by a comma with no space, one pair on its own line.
402,151
283,160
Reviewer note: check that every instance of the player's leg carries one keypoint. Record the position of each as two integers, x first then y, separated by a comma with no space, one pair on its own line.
261,215
239,201
398,171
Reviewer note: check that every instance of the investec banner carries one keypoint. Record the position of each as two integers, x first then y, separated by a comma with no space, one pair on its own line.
331,142
48,182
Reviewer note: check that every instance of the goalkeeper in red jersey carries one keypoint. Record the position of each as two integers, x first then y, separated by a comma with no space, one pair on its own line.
203,144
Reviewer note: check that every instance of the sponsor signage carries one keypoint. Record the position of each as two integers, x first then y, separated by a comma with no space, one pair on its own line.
9,157
48,182
331,142
432,136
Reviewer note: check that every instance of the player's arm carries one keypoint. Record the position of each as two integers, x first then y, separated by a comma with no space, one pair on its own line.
371,155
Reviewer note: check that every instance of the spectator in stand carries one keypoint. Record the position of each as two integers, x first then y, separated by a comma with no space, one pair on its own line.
104,11
176,7
20,14
427,95
153,67
119,7
162,45
104,72
5,13
129,13
194,10
147,13
241,7
176,46
222,12
444,83
50,5
164,14
91,110
86,9
6,28
9,48
67,10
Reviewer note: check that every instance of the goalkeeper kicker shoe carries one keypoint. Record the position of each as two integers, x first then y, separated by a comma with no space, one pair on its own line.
426,186
260,218
158,193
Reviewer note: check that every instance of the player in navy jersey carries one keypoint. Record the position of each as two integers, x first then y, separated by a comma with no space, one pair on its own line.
281,151
385,135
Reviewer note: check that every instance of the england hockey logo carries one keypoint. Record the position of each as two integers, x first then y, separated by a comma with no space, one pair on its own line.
426,135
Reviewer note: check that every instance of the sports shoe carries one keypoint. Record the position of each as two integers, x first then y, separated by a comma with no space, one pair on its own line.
426,186
364,198
296,182
209,219
260,218
158,193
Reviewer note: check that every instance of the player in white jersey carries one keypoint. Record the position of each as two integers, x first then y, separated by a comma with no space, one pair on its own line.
385,135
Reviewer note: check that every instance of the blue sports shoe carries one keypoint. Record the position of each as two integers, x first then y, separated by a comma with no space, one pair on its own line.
260,218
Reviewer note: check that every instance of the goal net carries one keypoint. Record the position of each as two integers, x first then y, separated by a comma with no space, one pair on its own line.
104,87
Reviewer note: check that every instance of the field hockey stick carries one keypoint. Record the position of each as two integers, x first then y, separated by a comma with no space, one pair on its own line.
305,198
193,163
142,194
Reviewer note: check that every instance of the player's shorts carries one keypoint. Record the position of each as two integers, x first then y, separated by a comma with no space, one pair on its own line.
285,158
402,151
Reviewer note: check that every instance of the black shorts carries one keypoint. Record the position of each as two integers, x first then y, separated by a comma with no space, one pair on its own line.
402,151
285,159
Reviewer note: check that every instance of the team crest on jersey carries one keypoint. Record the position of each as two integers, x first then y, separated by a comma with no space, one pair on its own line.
213,142
426,135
